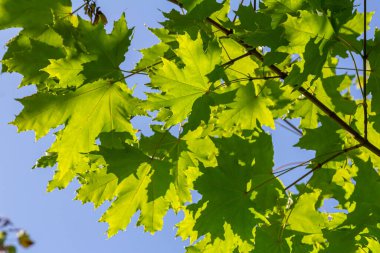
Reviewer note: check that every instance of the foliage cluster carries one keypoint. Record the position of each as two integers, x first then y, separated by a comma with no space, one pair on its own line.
218,81
8,230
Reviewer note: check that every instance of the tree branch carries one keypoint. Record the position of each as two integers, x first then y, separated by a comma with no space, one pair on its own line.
362,140
232,61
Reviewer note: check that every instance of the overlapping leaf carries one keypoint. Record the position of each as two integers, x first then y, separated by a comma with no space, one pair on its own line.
102,106
181,87
248,110
32,14
233,193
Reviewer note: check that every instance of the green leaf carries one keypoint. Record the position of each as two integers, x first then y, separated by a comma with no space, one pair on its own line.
304,217
143,186
98,107
193,19
258,30
332,86
229,194
107,49
315,139
67,71
28,56
152,56
180,88
314,59
216,79
299,30
279,8
268,239
97,187
32,14
249,110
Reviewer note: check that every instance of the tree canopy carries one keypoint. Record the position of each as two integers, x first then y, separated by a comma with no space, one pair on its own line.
218,81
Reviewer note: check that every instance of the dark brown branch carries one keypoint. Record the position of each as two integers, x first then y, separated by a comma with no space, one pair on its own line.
363,141
232,61
221,28
315,101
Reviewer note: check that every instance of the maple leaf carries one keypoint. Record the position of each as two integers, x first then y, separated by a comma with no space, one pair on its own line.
310,223
32,14
180,88
278,9
97,187
231,191
28,56
247,108
98,107
144,184
258,30
314,139
108,49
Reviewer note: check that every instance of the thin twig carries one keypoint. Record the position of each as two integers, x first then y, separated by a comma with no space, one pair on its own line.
245,79
288,128
77,9
239,72
357,73
280,168
348,45
293,127
343,68
133,72
225,50
304,188
365,56
234,19
232,61
319,165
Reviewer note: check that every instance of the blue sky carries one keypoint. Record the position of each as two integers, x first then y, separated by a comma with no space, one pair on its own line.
56,222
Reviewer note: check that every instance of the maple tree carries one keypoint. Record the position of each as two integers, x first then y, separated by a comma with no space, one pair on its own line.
221,79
